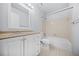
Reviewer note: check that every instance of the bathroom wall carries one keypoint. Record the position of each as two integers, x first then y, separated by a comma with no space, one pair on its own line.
75,29
3,15
36,19
59,24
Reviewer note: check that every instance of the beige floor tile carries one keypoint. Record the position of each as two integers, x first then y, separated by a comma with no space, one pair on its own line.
53,51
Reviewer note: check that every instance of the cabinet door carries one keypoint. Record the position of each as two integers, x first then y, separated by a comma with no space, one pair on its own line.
3,48
12,47
28,46
32,45
37,43
15,46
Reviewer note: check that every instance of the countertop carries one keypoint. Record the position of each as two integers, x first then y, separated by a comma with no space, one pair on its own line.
6,35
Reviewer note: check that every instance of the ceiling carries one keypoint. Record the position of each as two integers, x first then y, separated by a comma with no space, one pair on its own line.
51,7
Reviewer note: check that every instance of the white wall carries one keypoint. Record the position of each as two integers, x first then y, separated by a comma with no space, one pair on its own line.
3,15
36,19
75,38
75,29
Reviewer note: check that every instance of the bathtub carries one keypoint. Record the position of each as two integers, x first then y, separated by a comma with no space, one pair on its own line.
59,42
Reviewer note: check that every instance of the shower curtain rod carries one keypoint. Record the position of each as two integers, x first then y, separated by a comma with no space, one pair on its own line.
62,10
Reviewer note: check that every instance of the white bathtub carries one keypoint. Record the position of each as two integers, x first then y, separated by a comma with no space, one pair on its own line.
59,42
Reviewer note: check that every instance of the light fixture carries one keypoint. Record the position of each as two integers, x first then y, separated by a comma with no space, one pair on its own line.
23,5
41,4
26,6
30,5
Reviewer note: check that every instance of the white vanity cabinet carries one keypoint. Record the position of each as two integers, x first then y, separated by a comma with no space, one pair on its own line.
11,46
32,45
21,46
